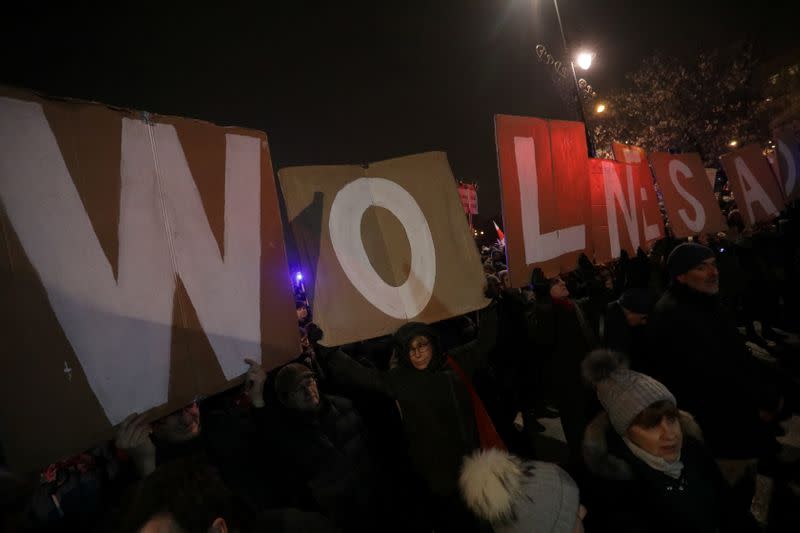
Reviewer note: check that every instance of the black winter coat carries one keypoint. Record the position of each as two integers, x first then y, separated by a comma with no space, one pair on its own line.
625,495
436,407
696,351
324,456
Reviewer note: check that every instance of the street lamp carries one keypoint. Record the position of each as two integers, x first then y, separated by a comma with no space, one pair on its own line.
733,143
601,108
584,61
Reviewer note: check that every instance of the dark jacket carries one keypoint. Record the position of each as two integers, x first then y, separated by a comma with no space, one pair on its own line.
436,407
696,351
618,335
324,456
623,494
564,333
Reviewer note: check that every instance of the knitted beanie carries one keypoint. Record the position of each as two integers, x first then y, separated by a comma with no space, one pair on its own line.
687,256
623,393
518,496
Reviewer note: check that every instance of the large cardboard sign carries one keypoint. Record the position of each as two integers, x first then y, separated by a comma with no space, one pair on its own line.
652,221
787,150
617,215
544,167
754,186
689,200
142,260
469,198
382,244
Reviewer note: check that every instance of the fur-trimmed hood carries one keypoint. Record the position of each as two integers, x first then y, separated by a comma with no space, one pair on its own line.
605,464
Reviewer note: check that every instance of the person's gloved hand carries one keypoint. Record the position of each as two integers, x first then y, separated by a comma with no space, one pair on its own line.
314,333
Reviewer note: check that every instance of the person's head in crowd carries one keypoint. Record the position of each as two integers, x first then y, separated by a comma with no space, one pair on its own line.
606,277
504,281
488,267
558,289
520,496
303,312
641,410
694,266
296,388
183,496
417,346
540,285
305,343
636,305
181,426
735,222
493,284
498,256
548,289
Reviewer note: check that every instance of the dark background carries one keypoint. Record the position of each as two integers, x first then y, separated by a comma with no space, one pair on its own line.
350,82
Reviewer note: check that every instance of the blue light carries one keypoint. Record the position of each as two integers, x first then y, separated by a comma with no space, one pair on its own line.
299,276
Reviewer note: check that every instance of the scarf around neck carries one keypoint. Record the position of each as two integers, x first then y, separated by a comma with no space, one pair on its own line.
672,469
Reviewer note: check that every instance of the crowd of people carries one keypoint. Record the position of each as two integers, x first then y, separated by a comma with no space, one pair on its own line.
670,372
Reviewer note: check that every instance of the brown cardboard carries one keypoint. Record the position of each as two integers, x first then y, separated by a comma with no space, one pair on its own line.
688,199
50,408
343,312
653,222
559,166
755,188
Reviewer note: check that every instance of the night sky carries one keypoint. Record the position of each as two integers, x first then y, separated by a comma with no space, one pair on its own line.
351,82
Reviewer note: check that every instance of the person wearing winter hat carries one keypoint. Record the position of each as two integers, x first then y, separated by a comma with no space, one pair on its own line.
650,469
695,266
693,342
296,387
563,330
321,447
517,496
442,416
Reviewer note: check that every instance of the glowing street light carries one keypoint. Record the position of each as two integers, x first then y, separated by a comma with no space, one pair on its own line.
733,143
600,108
584,60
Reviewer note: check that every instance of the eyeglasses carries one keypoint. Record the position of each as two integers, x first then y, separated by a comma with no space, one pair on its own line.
419,347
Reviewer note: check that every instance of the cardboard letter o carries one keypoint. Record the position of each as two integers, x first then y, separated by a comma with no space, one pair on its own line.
348,207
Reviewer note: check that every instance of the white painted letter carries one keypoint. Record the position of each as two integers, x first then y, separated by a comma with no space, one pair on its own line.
614,195
696,224
540,247
120,329
225,291
348,207
753,191
791,169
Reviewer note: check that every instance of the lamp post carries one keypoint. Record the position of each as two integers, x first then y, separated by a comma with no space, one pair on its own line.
584,61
